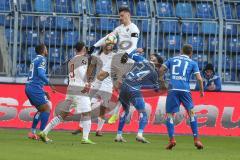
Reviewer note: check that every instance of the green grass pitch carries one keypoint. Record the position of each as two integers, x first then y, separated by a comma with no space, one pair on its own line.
14,145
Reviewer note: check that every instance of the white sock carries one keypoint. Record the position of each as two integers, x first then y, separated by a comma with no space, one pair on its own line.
119,135
86,124
52,124
116,109
140,134
100,123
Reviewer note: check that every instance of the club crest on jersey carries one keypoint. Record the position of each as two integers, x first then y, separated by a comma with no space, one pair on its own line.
84,62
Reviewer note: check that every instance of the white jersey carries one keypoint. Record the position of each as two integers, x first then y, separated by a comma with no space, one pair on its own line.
126,34
127,38
104,61
77,68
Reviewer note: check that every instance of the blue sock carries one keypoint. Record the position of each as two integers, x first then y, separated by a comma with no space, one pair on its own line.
142,122
44,119
170,127
194,126
122,121
36,119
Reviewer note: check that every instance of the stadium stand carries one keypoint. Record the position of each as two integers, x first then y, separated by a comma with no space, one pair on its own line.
59,24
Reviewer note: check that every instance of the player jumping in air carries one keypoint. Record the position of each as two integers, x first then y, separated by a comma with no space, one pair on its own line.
77,67
181,68
128,35
34,90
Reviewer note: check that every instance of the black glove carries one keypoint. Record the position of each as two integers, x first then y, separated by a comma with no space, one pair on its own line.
124,58
91,50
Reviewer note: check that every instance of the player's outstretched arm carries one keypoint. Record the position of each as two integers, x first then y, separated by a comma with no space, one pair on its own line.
200,82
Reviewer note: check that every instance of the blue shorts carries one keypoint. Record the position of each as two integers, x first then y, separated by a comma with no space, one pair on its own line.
128,95
175,98
36,95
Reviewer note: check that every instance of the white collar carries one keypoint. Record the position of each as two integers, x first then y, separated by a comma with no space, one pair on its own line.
183,55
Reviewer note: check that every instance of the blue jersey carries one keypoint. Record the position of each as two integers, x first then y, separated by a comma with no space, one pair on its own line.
37,73
181,68
142,75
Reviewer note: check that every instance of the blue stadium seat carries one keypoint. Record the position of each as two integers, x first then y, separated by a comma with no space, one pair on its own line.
70,38
228,76
54,55
204,10
143,8
5,5
47,22
26,21
209,28
236,63
125,3
227,62
52,38
25,5
22,69
92,38
64,6
233,44
197,43
173,42
107,24
9,35
43,6
231,29
64,23
4,20
30,37
200,59
144,25
141,42
104,7
165,9
228,11
31,53
170,27
213,44
238,11
184,10
190,28
78,8
158,44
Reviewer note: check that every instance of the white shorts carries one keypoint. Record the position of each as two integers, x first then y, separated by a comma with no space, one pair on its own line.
81,103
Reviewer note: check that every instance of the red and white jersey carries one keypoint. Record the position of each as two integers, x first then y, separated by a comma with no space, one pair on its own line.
127,34
77,68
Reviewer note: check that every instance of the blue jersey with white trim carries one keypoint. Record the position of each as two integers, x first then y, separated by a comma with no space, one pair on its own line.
37,72
142,75
181,68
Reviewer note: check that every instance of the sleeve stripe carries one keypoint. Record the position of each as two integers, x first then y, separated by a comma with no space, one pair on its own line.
42,68
196,72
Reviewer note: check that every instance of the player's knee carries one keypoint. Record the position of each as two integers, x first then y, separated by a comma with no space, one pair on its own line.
192,115
143,116
169,117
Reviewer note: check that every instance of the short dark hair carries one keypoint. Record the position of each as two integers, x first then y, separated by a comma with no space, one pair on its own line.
79,46
209,66
39,49
159,58
124,9
187,49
